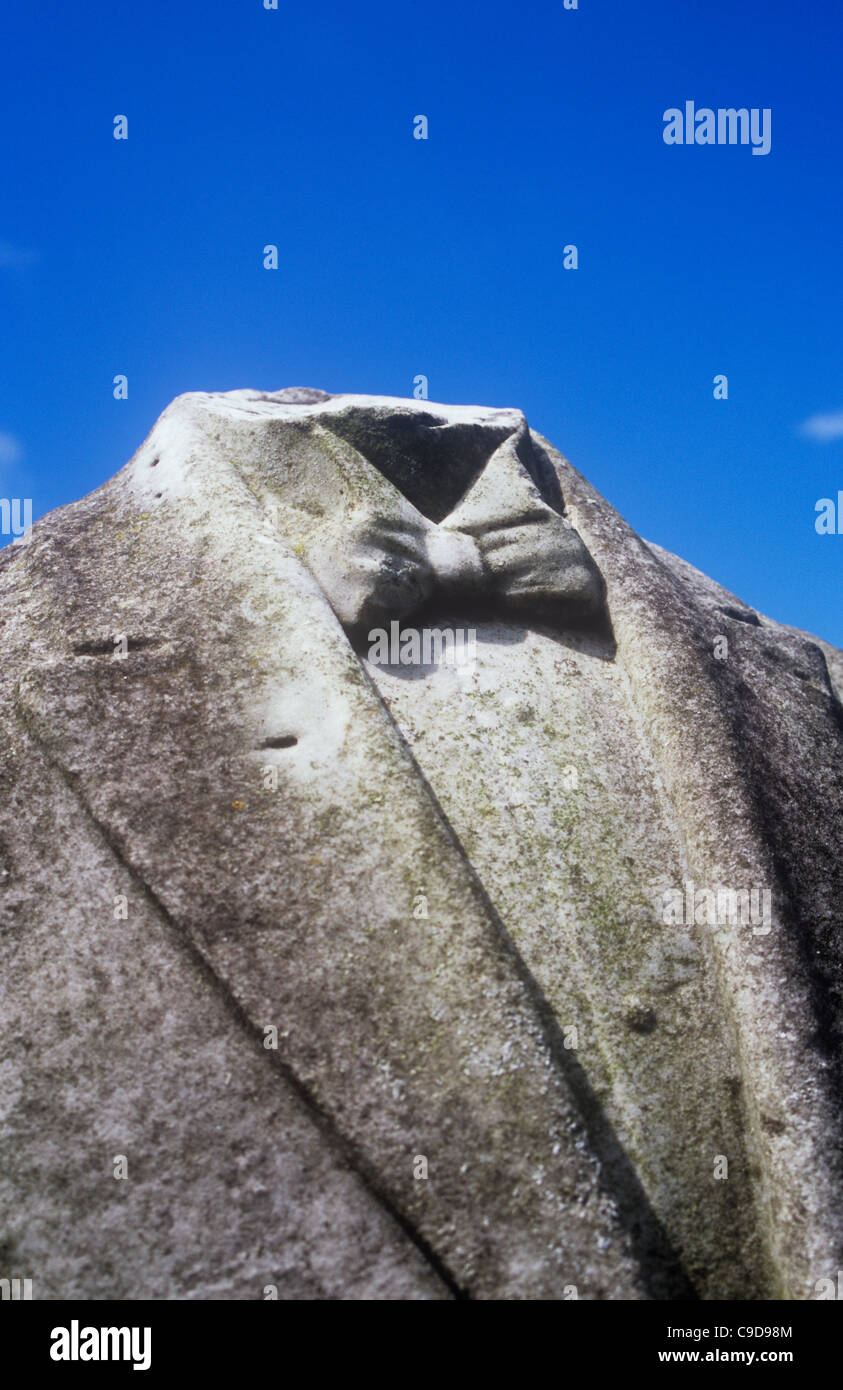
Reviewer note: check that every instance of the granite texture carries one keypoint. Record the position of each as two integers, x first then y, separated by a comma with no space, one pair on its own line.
443,888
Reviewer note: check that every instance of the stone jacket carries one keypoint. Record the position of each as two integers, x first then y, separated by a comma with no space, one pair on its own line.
324,978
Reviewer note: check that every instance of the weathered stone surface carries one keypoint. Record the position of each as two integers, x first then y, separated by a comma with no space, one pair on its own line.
278,810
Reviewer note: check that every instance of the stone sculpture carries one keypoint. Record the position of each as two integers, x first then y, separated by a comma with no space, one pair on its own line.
332,975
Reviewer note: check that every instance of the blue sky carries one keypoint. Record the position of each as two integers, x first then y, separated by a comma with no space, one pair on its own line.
443,257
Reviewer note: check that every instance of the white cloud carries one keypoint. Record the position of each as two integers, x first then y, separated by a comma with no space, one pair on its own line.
11,451
15,257
824,427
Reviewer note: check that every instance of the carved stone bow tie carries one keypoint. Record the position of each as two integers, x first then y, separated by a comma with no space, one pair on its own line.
502,550
529,564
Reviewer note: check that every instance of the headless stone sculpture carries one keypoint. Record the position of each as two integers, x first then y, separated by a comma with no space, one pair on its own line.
500,1064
